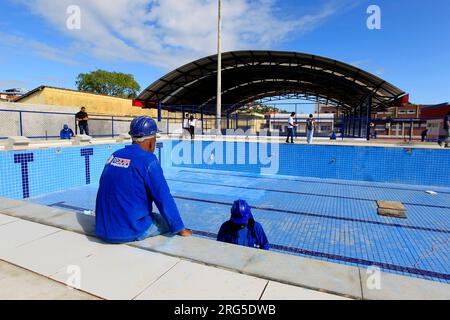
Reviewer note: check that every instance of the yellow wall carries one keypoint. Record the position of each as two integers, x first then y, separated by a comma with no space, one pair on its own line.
95,104
36,98
255,121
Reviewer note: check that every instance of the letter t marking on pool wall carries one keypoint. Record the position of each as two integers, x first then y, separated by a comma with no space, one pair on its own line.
86,153
23,159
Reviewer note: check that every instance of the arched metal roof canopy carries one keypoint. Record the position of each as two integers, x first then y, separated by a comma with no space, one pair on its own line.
248,76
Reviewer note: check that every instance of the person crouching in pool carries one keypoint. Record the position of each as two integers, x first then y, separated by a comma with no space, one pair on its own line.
131,181
242,229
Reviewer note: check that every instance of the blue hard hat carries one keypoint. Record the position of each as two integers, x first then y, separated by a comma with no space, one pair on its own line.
143,127
66,127
240,212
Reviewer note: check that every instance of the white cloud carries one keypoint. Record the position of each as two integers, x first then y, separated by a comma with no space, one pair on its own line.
168,33
360,63
11,83
19,43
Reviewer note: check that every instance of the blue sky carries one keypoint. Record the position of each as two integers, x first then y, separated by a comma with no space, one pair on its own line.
148,38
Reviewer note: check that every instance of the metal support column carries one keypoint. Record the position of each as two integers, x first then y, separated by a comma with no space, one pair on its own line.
21,123
411,131
202,118
369,115
112,126
360,121
182,114
219,69
159,112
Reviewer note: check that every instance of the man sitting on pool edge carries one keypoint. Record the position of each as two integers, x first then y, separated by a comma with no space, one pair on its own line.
242,229
131,181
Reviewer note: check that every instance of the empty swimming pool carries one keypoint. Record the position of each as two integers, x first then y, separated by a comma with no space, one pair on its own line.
316,205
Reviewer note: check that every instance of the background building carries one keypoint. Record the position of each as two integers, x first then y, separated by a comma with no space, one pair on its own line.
11,94
94,103
279,121
434,116
404,120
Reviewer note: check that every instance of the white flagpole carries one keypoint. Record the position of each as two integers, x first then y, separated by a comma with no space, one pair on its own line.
219,69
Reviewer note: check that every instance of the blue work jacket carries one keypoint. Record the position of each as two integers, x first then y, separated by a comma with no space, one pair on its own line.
256,237
131,181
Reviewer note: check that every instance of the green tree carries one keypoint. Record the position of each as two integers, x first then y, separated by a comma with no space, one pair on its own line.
263,109
110,83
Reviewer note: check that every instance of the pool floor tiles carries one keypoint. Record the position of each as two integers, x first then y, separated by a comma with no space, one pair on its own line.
331,220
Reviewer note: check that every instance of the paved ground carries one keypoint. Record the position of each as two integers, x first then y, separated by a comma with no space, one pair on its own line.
57,257
20,284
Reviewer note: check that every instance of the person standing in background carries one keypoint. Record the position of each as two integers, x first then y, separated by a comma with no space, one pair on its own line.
186,124
192,124
446,138
82,119
424,135
290,128
310,127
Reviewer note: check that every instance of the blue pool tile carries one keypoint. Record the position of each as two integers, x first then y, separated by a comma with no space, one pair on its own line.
312,208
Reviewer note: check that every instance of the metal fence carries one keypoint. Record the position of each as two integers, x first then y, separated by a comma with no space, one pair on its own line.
47,125
406,129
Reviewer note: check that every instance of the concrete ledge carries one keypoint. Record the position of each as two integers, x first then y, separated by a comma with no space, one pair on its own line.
308,273
45,144
200,250
29,211
294,270
14,143
123,138
81,140
6,203
397,287
305,272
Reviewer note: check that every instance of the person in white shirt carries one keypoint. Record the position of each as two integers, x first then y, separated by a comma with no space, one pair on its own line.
192,124
291,126
186,124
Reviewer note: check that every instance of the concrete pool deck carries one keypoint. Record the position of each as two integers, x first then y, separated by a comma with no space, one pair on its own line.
114,272
20,284
47,240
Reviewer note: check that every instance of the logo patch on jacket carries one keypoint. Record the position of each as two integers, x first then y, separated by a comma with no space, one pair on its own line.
121,163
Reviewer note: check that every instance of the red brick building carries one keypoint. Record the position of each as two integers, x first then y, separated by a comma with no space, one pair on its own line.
11,94
434,116
403,120
400,121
